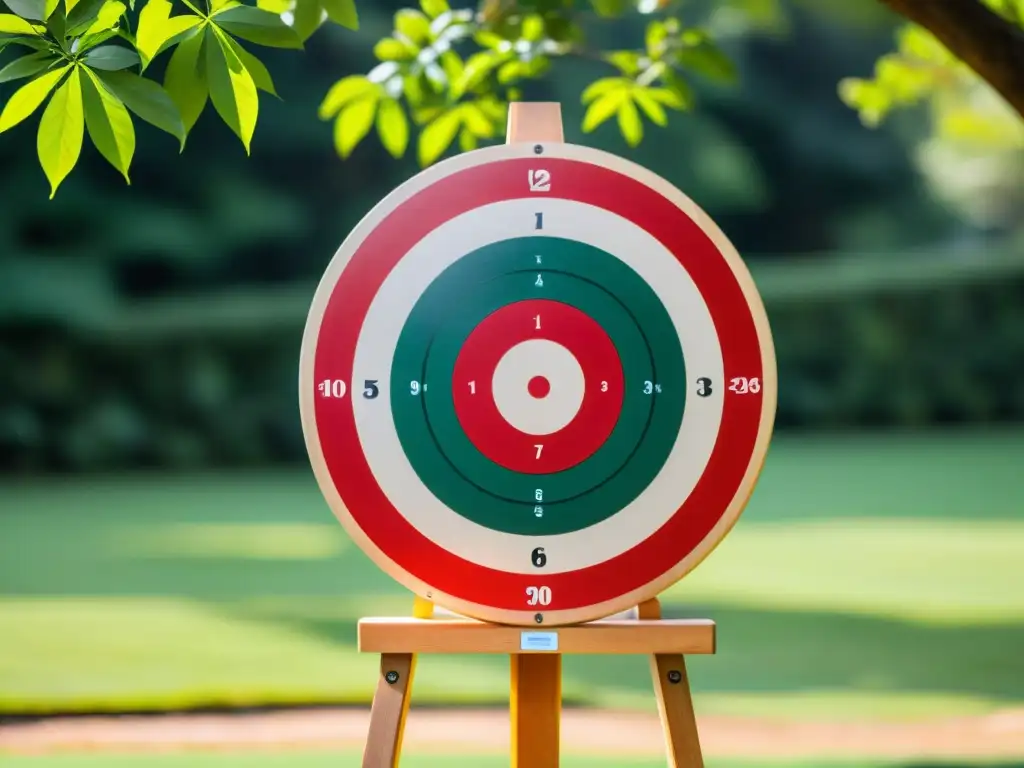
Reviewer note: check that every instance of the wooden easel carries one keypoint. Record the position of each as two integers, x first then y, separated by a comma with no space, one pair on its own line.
536,657
536,684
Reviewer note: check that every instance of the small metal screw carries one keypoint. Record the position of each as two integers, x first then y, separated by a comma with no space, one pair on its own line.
391,677
538,149
674,676
539,618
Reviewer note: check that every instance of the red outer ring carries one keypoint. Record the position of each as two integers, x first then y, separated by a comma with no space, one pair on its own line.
342,320
479,416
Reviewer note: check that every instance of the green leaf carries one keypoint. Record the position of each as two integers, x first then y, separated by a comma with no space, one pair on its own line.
109,124
27,66
185,79
627,62
56,24
256,68
109,16
438,136
111,57
232,89
258,26
477,68
353,124
157,30
61,129
393,127
703,56
307,16
413,26
666,97
650,106
533,28
390,49
342,12
467,141
15,25
603,108
434,8
654,39
147,100
36,43
608,9
475,121
49,7
629,123
344,91
34,10
677,92
81,14
603,86
27,99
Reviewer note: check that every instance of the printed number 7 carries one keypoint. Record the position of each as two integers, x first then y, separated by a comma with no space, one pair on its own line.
539,449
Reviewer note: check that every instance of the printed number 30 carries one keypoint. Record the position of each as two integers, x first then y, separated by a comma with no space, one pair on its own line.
538,595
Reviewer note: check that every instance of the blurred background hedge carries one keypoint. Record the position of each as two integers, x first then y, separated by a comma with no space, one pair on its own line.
159,324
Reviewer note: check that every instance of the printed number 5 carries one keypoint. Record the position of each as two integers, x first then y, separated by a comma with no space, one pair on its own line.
540,181
538,595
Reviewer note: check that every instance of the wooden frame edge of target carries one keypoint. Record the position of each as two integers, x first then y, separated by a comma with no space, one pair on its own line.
531,131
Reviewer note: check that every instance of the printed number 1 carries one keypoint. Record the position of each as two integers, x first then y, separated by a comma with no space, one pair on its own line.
540,221
472,387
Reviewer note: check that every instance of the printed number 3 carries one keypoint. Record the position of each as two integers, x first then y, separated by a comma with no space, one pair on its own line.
538,595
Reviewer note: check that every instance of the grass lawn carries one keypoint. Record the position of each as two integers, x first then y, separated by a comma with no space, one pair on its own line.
869,576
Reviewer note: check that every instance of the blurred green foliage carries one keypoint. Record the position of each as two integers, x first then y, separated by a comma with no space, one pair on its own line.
159,325
449,72
216,394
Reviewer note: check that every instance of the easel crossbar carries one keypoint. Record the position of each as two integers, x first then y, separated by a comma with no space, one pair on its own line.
409,635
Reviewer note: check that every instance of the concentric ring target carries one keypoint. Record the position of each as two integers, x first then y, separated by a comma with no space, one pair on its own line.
537,403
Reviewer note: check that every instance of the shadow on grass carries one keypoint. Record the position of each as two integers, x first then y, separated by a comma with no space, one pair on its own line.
772,651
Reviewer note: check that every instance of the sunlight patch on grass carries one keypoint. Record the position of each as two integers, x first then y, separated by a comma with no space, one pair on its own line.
114,654
256,541
932,571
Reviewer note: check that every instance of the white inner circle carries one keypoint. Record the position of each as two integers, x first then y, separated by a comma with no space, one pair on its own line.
510,385
390,309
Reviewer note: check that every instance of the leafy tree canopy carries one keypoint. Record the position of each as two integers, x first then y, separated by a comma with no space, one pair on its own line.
445,75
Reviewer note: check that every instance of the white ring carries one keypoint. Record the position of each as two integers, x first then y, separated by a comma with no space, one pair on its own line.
390,309
510,386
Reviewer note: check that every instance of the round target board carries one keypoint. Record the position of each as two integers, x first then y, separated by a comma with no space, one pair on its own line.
537,384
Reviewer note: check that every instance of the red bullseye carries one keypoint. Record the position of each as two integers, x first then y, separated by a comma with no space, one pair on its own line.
538,387
603,389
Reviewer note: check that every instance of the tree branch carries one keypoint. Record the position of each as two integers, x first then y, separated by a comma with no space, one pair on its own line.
989,44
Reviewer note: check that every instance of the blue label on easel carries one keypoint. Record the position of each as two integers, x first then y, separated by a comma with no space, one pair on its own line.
538,641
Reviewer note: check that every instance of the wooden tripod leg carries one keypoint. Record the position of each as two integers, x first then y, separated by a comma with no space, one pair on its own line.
387,713
535,708
675,703
390,706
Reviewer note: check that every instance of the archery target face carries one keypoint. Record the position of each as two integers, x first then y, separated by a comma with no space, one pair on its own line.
537,384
